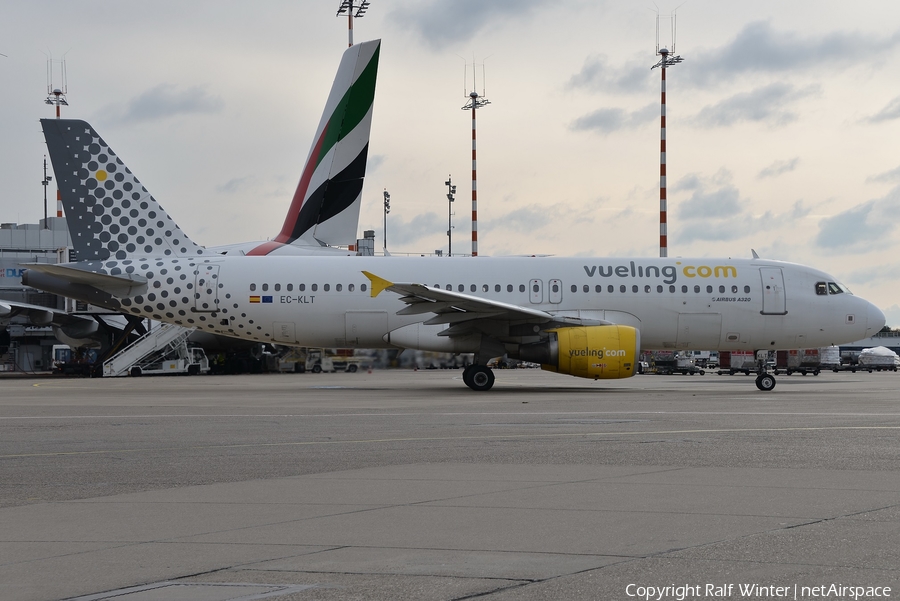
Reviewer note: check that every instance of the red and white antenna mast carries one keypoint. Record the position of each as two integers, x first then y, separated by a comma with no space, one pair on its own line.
56,95
354,11
668,59
476,101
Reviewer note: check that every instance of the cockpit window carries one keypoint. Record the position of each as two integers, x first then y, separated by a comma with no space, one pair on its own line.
834,288
821,288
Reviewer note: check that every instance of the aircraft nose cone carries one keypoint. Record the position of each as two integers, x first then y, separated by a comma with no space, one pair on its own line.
875,319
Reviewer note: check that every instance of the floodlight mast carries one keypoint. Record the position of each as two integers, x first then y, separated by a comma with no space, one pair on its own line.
476,101
451,196
665,61
347,6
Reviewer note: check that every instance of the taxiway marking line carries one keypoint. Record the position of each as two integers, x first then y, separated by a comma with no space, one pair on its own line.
446,438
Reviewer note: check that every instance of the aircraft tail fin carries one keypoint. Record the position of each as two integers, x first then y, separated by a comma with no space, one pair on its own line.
325,206
109,213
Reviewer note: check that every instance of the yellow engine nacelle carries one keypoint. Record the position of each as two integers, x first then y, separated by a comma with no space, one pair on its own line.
598,352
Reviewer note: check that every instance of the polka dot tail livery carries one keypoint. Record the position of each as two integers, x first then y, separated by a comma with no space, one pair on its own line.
110,214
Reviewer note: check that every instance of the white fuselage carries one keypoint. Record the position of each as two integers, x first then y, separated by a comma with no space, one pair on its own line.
675,303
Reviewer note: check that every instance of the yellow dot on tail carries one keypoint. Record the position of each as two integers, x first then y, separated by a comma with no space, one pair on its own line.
101,175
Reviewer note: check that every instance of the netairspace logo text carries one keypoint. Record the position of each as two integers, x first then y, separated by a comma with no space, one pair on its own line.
675,592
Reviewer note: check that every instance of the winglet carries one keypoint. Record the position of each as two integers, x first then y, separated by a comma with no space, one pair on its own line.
378,284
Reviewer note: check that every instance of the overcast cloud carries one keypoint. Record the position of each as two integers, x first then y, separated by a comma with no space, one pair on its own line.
441,23
767,105
164,101
779,168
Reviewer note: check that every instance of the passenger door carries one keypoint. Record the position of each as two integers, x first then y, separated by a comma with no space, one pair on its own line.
773,291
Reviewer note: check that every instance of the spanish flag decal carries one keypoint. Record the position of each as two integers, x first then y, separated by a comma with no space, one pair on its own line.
254,299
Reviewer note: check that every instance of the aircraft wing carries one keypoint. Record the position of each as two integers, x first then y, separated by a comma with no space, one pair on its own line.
451,307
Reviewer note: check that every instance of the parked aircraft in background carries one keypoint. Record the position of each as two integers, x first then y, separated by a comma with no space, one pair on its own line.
586,317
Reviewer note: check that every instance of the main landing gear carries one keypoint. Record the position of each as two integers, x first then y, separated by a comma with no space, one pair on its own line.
478,377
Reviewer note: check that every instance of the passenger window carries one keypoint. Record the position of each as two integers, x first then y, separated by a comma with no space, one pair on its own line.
337,287
485,288
252,287
611,288
362,287
586,288
746,289
351,287
290,287
277,287
634,288
821,288
659,289
326,287
622,288
473,288
301,287
496,287
598,289
556,288
521,287
710,289
461,287
721,289
684,289
734,289
535,288
265,287
314,287
647,288
574,288
696,289
672,289
509,288
449,287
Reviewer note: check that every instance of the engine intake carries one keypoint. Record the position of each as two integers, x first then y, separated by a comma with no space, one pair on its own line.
598,352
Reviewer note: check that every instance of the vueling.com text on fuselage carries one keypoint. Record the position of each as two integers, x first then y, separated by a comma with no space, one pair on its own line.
669,272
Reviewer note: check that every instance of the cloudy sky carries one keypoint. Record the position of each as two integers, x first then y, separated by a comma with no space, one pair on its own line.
783,121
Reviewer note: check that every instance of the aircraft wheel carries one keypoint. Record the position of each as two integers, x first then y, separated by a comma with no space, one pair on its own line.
765,382
467,375
481,378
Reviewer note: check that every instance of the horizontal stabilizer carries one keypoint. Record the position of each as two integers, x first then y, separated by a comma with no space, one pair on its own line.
121,285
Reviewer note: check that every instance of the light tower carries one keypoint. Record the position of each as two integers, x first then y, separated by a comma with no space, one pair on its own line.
45,182
387,209
476,101
57,95
347,6
451,196
667,59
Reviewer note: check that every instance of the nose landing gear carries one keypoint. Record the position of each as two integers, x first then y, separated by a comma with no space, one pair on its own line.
765,382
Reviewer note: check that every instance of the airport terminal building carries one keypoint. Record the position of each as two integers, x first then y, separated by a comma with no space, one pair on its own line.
25,346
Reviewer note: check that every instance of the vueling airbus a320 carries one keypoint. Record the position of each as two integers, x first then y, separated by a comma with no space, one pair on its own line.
578,316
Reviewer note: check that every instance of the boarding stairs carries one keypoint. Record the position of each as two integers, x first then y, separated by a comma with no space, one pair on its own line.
159,341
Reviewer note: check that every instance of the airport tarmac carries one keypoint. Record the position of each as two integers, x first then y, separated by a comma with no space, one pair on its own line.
407,485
